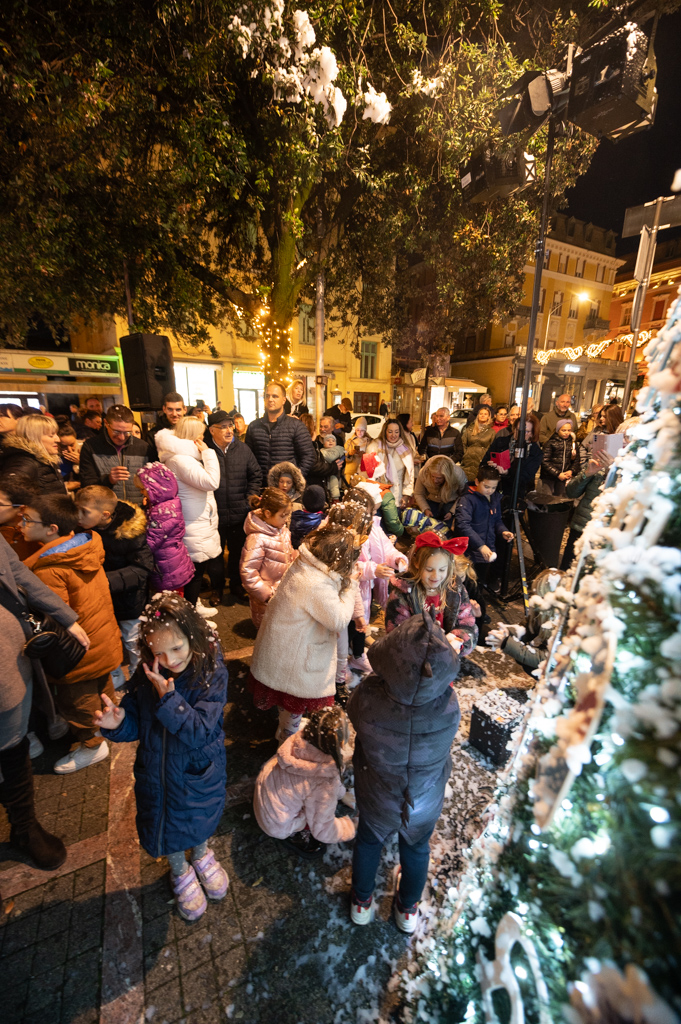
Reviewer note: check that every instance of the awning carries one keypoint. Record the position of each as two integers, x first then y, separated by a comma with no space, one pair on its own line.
457,384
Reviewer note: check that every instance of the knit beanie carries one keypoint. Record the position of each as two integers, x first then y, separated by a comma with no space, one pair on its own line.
330,437
313,498
562,423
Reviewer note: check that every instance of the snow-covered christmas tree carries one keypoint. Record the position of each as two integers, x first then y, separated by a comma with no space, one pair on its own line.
570,908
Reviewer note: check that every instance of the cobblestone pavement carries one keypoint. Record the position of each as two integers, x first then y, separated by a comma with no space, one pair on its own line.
99,940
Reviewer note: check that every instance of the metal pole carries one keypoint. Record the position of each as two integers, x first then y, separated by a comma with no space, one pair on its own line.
319,347
519,453
639,299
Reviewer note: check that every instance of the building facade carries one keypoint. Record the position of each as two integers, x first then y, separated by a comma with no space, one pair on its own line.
577,283
662,290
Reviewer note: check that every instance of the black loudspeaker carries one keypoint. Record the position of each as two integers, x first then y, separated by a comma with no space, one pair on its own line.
612,90
148,367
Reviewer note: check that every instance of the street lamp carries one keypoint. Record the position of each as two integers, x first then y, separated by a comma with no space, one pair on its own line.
555,310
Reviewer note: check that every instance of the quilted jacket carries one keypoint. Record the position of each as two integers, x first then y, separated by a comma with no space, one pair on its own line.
457,618
198,474
406,714
128,561
165,528
180,767
266,555
285,440
240,477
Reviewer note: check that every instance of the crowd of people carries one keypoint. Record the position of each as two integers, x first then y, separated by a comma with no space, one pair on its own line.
312,528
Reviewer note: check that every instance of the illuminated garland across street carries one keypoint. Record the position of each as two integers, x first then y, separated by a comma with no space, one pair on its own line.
593,350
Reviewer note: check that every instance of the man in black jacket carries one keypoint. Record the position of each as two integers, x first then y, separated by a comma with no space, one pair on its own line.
441,439
172,412
113,457
276,437
240,477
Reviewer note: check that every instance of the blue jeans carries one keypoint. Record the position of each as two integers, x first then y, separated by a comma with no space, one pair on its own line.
366,858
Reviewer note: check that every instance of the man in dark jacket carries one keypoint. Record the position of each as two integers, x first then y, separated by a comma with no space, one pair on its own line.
561,411
276,437
90,425
128,561
406,714
172,412
441,439
342,414
240,477
113,457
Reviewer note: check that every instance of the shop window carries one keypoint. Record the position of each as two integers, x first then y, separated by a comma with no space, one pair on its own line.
196,381
248,393
659,308
367,360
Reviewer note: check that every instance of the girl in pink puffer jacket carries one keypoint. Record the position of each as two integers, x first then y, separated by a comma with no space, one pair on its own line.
297,790
267,552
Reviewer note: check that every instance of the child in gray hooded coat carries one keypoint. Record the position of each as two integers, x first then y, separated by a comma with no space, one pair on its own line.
406,714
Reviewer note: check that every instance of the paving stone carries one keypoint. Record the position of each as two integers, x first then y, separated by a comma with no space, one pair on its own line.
54,919
230,970
13,1000
195,950
158,933
20,933
90,877
166,1003
199,990
155,900
160,966
45,989
80,997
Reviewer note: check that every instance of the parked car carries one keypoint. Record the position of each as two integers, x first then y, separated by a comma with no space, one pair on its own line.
459,419
374,422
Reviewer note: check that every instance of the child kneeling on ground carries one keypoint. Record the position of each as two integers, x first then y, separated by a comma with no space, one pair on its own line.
174,708
406,714
297,790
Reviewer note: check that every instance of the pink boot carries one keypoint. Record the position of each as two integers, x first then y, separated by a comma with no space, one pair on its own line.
212,875
189,899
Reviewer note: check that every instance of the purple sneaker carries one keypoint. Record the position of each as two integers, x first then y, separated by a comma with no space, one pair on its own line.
212,875
189,899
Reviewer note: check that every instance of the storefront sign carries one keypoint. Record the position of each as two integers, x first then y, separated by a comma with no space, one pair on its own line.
570,368
53,364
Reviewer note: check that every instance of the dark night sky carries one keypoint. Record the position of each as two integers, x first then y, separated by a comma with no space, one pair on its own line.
642,167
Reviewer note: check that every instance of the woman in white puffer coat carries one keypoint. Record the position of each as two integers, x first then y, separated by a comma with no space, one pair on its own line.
197,470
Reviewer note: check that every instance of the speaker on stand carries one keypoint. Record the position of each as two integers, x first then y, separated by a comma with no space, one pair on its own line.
148,369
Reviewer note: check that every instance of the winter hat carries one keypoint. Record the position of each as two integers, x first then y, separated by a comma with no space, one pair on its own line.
328,731
373,490
219,417
330,437
562,423
314,498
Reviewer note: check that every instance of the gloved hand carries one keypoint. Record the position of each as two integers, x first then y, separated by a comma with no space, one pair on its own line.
496,637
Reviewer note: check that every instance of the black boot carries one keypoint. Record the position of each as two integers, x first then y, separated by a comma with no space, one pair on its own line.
16,795
305,845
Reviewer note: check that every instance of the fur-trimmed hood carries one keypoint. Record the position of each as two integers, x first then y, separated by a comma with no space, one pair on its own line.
22,444
286,469
128,521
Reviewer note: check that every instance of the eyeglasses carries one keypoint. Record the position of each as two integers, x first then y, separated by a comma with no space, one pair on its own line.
120,433
35,522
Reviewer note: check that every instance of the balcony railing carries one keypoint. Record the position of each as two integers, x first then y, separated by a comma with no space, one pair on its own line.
596,323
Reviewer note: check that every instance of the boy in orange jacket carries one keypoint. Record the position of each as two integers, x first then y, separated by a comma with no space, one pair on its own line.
70,563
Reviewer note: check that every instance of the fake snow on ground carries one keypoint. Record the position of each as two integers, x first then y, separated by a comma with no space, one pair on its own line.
363,972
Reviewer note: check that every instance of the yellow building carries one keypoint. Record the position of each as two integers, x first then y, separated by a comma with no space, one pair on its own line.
226,370
577,283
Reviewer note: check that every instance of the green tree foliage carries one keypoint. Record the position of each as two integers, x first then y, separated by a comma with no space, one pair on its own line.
148,136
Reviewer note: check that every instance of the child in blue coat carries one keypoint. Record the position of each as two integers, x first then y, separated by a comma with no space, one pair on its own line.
478,517
174,708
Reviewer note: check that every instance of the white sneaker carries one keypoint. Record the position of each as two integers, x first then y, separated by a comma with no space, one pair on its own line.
35,747
81,757
406,920
207,613
359,914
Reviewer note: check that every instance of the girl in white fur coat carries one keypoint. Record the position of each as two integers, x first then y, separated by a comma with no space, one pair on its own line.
294,658
197,469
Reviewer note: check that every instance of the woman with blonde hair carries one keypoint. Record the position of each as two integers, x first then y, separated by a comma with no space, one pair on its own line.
396,456
295,399
438,487
476,439
32,451
197,469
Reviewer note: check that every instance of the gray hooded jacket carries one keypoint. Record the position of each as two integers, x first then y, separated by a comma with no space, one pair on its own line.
406,714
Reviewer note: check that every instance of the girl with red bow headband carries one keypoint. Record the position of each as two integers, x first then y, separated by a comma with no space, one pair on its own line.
432,581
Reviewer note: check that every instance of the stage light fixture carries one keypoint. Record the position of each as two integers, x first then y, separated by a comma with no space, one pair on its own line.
612,87
489,174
